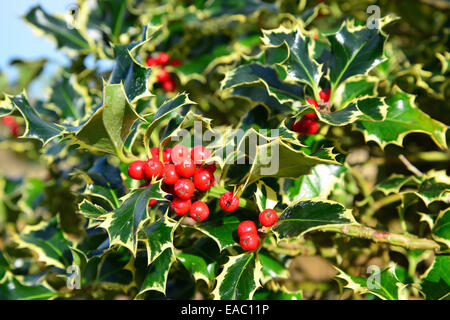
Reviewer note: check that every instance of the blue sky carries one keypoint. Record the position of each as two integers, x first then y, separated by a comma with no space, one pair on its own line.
18,39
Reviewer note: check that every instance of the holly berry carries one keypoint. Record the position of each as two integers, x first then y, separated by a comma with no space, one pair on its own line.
167,155
169,85
211,167
179,153
310,125
151,62
175,62
246,226
313,102
154,169
186,168
199,154
170,175
267,217
151,202
228,202
155,152
199,211
249,241
136,169
162,58
325,95
163,75
184,188
181,206
203,179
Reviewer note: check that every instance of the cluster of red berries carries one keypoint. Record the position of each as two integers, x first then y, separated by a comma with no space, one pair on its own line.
248,233
11,123
162,60
182,172
308,123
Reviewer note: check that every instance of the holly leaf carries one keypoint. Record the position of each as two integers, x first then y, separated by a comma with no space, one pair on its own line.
318,184
384,284
156,278
12,289
220,230
48,241
239,278
124,223
35,126
355,50
299,62
402,118
435,282
308,215
159,237
441,228
58,29
277,294
266,197
271,267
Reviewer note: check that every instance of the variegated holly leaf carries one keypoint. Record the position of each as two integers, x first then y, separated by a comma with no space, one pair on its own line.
263,81
354,89
91,210
266,197
129,70
434,186
441,228
13,289
220,229
123,224
271,267
318,184
435,282
156,278
172,105
35,126
108,128
403,117
383,284
394,183
201,259
159,237
298,62
310,214
58,29
355,50
32,195
275,157
48,241
239,279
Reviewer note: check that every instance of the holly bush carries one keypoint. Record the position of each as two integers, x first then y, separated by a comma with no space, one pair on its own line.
327,150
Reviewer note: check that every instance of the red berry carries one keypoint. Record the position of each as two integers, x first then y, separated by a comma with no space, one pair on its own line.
211,167
310,115
175,62
170,175
162,58
316,36
136,169
169,85
311,126
199,211
203,179
268,217
154,169
155,152
184,188
151,202
151,62
313,102
181,206
199,154
246,226
9,121
297,126
228,202
166,155
179,153
325,94
249,241
163,75
186,168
